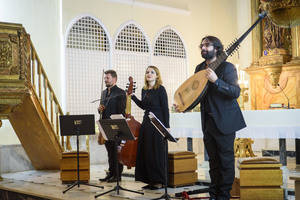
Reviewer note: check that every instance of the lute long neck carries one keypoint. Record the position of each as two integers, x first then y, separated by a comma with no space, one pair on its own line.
128,97
233,47
221,58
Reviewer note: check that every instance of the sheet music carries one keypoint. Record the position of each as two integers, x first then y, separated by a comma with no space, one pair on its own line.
101,131
157,123
161,128
117,116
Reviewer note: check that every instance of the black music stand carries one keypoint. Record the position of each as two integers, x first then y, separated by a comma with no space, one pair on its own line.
77,125
116,130
167,136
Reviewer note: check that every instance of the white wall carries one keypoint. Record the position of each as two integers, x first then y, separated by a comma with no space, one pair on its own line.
193,20
41,20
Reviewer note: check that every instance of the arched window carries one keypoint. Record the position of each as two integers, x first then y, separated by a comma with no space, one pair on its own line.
87,54
131,57
170,57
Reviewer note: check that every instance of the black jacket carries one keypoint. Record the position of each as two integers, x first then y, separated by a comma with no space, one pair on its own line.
221,98
114,103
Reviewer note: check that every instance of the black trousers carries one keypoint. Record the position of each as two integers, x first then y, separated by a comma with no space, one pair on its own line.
113,158
220,149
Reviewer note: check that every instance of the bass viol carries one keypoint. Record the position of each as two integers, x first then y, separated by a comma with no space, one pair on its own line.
127,155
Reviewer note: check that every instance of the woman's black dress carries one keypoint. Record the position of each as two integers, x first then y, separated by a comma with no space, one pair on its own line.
150,151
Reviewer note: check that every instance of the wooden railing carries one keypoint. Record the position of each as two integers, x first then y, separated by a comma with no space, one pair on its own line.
22,74
45,93
43,90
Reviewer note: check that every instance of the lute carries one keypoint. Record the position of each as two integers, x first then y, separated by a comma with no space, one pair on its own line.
191,92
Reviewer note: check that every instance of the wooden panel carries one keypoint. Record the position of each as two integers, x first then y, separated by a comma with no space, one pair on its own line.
263,93
297,190
179,179
73,154
260,177
261,193
71,175
36,134
181,154
235,191
69,161
260,166
182,161
182,165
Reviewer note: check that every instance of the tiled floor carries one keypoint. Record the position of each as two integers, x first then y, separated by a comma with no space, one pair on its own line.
50,186
47,184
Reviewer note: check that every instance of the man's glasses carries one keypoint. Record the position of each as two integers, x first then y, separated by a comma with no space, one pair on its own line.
206,45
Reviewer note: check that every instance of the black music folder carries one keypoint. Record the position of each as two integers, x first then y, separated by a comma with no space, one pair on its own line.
113,128
77,125
161,128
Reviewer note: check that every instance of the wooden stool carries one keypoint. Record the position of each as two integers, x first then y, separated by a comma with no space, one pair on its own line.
68,167
182,168
260,179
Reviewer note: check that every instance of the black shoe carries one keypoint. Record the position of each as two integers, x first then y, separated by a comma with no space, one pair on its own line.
113,179
108,176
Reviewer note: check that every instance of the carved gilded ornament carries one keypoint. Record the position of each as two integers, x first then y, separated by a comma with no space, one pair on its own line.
273,74
274,90
5,54
24,54
284,13
276,50
275,36
13,38
243,148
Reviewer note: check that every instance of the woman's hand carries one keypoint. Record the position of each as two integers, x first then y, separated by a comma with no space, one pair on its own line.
176,107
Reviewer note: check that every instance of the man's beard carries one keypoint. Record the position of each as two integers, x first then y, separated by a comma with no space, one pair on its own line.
108,85
208,55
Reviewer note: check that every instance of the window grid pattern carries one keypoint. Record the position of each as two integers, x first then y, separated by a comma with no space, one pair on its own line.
88,34
84,67
172,63
169,44
131,39
131,58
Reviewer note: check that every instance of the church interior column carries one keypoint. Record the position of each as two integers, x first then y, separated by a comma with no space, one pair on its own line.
296,61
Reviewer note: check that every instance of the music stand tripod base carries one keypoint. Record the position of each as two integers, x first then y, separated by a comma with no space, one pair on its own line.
77,125
166,136
116,130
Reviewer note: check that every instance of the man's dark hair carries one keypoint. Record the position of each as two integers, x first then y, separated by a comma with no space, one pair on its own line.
216,43
113,73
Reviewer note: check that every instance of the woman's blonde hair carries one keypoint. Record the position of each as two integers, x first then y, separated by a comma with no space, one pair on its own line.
158,81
